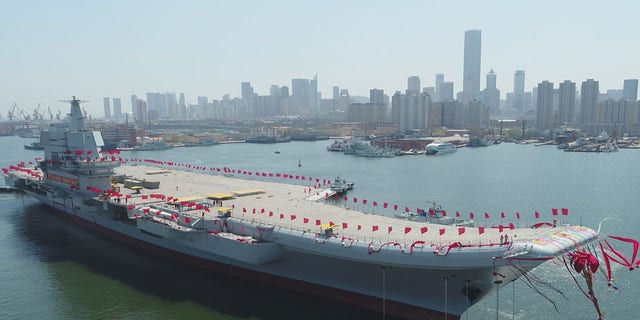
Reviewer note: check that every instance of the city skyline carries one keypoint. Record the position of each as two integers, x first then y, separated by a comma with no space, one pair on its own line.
113,50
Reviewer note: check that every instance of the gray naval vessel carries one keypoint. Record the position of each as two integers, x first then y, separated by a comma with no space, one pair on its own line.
273,232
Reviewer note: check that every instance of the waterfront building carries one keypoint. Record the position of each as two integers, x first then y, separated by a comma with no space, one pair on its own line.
248,100
518,90
544,106
491,94
409,111
117,108
589,92
566,102
107,107
369,114
141,113
630,90
471,71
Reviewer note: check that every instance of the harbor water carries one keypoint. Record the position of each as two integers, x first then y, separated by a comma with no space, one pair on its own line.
53,269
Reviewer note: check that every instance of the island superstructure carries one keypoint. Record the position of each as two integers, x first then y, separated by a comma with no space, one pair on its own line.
278,233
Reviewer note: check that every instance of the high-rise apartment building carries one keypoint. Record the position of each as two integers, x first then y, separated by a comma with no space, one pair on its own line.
630,90
544,106
134,106
566,102
446,91
376,96
107,107
413,85
117,108
589,92
472,60
518,90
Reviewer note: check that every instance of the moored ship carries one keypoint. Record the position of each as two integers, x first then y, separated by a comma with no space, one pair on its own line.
425,272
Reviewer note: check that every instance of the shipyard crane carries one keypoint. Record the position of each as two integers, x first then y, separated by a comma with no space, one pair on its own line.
12,111
50,114
58,115
25,115
37,115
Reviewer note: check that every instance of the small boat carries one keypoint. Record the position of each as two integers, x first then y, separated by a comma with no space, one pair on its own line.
34,146
340,185
155,145
440,148
277,152
338,146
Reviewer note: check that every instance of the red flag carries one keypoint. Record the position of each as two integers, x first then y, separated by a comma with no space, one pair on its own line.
486,215
423,230
457,214
375,204
385,205
442,231
502,215
207,209
364,201
500,228
406,209
281,216
318,222
565,211
461,230
355,200
78,152
554,211
374,228
395,207
89,152
145,197
537,215
471,215
244,209
407,230
345,198
518,215
131,207
344,225
293,217
270,213
305,220
480,230
389,229
444,213
187,220
511,226
359,227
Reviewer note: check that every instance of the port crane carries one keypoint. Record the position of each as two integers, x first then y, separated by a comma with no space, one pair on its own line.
13,111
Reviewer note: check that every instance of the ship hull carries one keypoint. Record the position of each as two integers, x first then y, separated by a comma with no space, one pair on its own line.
404,292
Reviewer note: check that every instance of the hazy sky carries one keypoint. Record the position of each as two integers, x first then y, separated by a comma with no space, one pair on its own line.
51,50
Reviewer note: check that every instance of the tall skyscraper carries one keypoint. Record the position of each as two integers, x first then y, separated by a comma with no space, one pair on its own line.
544,106
491,94
518,90
630,90
117,108
134,107
107,107
566,102
413,84
336,97
313,93
589,92
472,59
439,81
